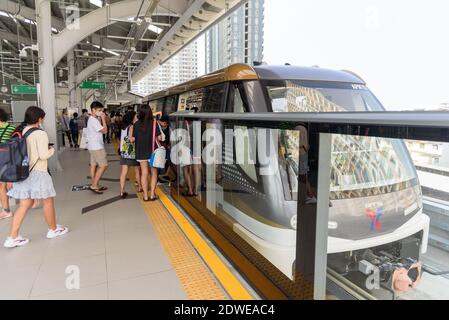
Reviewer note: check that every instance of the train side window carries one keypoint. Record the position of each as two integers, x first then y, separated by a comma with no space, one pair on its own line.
170,105
191,99
239,103
213,98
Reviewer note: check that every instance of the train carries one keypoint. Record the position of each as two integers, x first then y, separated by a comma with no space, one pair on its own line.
376,222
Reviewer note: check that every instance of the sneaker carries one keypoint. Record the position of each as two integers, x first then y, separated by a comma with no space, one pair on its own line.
59,231
5,214
17,242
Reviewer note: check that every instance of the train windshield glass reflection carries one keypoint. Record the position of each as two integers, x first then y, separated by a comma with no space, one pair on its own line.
360,165
321,96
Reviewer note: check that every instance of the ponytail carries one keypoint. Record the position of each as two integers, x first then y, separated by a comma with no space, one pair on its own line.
20,128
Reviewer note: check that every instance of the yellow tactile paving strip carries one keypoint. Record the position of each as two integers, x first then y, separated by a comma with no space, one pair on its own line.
195,278
226,278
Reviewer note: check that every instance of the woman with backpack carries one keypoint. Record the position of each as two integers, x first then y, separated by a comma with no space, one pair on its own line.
128,152
38,185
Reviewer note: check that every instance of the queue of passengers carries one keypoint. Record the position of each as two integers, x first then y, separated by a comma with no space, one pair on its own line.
140,134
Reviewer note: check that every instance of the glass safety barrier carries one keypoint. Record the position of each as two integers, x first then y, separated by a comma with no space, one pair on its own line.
318,206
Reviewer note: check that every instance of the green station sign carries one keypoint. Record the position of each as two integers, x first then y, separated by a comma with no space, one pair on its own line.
93,85
23,89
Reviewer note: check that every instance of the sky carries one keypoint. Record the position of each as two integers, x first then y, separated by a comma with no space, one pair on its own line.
400,48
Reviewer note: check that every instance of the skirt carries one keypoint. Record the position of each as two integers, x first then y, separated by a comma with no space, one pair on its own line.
38,185
129,162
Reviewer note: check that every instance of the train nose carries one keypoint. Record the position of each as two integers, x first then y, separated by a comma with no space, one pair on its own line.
404,279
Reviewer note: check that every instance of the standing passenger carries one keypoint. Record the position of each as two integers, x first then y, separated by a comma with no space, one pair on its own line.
38,186
6,131
164,123
143,135
95,131
107,136
64,120
127,152
83,119
74,128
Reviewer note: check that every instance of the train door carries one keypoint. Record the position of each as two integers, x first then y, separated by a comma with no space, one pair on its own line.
198,175
214,101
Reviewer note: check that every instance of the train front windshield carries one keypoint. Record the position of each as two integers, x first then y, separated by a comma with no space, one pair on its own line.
362,167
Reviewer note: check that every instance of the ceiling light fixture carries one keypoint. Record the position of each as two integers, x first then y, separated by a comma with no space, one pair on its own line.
98,3
155,29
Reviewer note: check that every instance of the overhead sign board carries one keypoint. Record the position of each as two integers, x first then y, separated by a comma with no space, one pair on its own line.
93,85
23,89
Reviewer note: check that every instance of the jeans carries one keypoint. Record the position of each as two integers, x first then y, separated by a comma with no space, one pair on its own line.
75,137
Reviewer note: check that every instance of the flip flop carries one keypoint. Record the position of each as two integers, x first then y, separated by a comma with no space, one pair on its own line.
103,188
96,191
124,195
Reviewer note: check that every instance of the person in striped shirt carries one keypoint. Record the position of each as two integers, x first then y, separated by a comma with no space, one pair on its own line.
6,130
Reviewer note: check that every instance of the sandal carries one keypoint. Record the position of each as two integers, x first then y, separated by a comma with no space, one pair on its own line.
186,194
97,191
154,198
124,195
102,188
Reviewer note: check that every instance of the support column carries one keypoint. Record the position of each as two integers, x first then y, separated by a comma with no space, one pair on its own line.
73,103
79,98
46,75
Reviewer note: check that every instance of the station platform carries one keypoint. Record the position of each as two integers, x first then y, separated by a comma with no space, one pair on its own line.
123,249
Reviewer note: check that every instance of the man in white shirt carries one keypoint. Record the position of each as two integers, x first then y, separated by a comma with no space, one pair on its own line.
95,131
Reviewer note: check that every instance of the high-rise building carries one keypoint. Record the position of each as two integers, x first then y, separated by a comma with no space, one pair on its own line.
238,38
181,68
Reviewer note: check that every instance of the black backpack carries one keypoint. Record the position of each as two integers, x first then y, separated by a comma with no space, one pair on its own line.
14,161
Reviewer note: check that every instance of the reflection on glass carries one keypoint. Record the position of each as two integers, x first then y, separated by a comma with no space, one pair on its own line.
377,229
320,96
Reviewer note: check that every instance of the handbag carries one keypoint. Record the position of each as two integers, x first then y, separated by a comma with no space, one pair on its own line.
127,149
158,156
83,142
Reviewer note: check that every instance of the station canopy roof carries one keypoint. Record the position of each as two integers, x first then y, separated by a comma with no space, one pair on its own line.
121,40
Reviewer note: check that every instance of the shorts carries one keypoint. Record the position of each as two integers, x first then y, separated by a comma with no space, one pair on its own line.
129,162
98,157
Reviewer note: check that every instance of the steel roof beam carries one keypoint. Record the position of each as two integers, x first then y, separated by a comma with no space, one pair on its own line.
87,72
29,13
92,22
186,29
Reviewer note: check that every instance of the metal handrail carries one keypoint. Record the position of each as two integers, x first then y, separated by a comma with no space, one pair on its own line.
388,118
427,126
